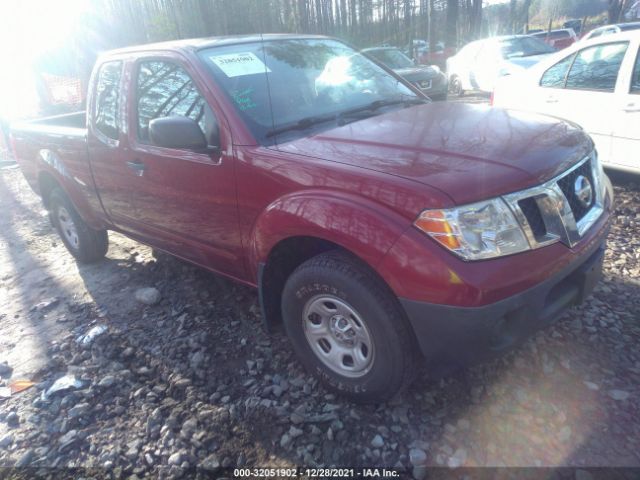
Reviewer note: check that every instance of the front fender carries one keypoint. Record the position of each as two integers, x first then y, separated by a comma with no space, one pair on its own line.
365,228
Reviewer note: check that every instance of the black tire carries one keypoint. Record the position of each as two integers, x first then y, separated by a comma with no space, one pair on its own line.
394,350
91,245
455,86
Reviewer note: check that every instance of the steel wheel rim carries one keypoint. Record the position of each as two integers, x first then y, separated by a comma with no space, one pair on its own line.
68,228
338,336
455,86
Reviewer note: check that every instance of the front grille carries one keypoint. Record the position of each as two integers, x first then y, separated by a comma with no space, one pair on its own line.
567,183
424,84
531,211
553,212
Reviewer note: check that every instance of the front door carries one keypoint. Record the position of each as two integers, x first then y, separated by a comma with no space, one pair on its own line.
588,96
626,124
185,200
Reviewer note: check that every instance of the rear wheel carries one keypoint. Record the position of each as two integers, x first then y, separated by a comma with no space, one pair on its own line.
348,329
83,242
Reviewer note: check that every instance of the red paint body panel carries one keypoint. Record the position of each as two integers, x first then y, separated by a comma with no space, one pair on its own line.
360,186
471,152
282,195
415,269
61,153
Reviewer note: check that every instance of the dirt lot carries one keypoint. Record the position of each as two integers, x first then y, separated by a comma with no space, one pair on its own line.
193,380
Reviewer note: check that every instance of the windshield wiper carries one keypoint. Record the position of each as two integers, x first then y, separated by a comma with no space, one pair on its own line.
378,104
301,124
309,122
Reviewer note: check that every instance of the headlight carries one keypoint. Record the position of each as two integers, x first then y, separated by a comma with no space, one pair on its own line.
474,232
435,68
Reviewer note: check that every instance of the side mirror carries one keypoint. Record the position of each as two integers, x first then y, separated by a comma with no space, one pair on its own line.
177,132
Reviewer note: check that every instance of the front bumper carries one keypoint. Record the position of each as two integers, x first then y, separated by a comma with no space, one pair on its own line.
453,335
438,88
436,93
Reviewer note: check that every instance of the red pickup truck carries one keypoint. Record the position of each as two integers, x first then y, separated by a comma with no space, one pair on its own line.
382,230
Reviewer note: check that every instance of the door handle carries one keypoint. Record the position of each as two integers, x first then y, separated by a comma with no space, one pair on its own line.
631,108
551,100
137,166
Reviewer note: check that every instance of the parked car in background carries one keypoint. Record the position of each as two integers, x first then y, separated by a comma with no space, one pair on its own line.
421,53
575,25
594,83
611,29
558,39
479,64
429,79
383,231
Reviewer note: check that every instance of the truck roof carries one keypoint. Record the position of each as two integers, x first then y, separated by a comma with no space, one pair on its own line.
206,42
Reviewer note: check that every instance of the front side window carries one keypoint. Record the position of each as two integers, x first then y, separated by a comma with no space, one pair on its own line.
635,77
165,89
555,76
279,84
597,67
106,117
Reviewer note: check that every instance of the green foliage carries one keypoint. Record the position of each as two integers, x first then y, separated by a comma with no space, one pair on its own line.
161,28
567,8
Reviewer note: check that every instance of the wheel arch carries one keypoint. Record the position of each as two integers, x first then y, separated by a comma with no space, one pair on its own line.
52,174
297,228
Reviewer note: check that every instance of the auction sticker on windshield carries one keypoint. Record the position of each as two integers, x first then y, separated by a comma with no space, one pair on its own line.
239,64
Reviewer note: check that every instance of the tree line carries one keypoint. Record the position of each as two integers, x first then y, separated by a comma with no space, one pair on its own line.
108,24
362,22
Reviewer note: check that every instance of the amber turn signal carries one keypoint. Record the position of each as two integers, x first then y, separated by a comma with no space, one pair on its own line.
434,223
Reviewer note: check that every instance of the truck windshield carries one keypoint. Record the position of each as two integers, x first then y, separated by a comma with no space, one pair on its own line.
288,88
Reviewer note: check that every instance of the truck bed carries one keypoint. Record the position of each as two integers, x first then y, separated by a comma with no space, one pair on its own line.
60,142
67,124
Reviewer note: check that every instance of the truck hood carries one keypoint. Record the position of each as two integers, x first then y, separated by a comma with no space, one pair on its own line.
470,152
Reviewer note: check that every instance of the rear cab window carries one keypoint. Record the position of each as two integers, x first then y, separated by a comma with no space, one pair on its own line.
106,116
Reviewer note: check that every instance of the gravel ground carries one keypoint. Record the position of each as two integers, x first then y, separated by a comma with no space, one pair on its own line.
184,375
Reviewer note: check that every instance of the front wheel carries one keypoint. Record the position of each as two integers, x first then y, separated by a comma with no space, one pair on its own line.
455,86
83,242
348,329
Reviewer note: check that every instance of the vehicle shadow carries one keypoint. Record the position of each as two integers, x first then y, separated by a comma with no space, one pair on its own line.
482,410
32,278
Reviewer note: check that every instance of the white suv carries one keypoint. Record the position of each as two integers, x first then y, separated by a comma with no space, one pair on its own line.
479,64
611,29
596,84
